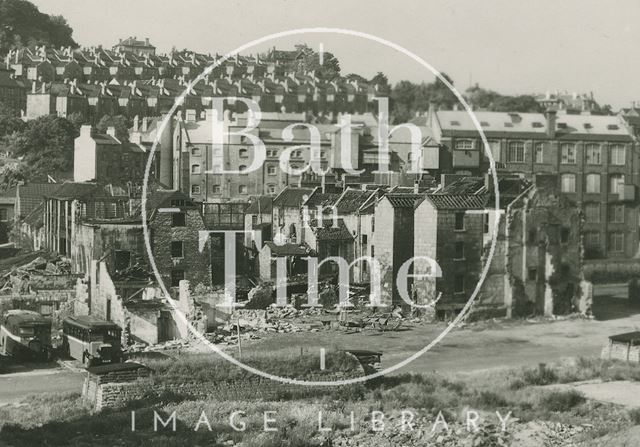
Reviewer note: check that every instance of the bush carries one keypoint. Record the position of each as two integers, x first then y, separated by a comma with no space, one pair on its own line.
491,400
562,400
634,415
540,376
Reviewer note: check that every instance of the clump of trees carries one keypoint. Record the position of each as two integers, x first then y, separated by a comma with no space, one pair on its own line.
22,25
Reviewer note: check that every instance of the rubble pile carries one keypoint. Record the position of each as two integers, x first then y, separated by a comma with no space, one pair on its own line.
530,434
23,278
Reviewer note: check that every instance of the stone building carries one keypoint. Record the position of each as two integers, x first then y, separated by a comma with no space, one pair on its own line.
105,159
594,157
449,229
135,46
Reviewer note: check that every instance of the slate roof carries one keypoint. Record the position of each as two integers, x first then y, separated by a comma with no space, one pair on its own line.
32,195
321,199
291,197
260,205
80,190
351,200
534,124
404,200
457,201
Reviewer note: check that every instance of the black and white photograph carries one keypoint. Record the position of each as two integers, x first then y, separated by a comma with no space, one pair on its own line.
287,223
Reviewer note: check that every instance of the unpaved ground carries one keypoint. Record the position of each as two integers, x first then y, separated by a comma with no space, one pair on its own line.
619,392
483,345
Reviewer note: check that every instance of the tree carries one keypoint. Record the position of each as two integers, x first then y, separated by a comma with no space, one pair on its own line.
121,124
382,81
22,24
409,98
11,174
484,99
45,146
10,121
310,61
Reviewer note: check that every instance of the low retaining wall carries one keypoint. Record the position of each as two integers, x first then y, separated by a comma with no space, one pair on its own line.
125,390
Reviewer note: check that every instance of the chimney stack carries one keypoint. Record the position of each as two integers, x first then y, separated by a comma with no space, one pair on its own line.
111,131
551,115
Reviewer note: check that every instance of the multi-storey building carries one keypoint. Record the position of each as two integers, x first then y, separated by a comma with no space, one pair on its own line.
594,156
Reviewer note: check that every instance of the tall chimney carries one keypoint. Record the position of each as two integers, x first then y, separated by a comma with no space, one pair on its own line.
550,115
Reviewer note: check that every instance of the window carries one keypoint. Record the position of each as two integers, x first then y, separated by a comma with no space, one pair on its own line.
195,189
616,213
243,153
271,189
568,154
515,153
271,170
242,168
459,225
564,235
254,220
178,219
568,183
242,189
365,239
459,250
616,183
617,155
592,212
533,274
464,145
4,215
177,249
539,152
196,152
593,183
485,226
616,242
593,154
195,168
122,259
216,189
176,277
533,235
458,284
495,150
592,240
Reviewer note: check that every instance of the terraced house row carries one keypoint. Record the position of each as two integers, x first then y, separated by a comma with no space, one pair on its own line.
95,82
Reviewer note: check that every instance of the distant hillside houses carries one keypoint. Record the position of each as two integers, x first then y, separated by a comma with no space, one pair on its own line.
131,79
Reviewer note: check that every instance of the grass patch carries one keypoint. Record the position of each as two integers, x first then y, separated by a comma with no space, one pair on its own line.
206,368
562,400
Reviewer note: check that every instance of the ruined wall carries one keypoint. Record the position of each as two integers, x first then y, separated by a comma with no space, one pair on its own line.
194,264
425,245
383,246
466,269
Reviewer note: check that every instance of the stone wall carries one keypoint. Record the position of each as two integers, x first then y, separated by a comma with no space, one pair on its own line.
120,392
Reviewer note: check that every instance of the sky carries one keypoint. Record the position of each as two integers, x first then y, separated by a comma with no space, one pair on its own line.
513,47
